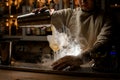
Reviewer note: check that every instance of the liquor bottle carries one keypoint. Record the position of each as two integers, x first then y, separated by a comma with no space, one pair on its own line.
19,31
37,31
28,31
6,9
1,10
5,56
48,31
6,31
13,8
19,10
43,31
13,28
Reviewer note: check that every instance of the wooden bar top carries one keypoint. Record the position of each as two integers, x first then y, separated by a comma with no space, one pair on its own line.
12,73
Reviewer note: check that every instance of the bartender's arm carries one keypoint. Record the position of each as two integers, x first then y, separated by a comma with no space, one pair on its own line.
104,39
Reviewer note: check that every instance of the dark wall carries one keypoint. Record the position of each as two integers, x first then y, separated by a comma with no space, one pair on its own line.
115,13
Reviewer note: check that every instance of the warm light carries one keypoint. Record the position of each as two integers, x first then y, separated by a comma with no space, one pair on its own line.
43,1
76,2
6,19
19,1
16,22
7,4
11,16
116,4
10,2
16,3
7,24
49,1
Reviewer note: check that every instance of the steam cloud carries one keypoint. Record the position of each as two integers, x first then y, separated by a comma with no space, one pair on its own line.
63,44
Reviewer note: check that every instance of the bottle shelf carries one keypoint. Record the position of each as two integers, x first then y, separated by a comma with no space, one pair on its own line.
35,26
25,38
115,5
7,38
34,38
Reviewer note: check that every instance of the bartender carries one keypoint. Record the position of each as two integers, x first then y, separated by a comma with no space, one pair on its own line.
90,26
87,24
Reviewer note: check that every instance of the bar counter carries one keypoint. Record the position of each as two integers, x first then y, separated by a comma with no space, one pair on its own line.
20,73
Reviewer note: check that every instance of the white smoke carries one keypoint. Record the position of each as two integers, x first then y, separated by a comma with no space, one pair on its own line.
63,44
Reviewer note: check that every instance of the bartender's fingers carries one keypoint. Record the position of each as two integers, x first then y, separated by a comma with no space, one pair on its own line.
61,60
36,10
57,63
61,66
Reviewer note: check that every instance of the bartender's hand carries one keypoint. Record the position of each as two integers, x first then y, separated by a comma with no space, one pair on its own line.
42,10
39,10
67,63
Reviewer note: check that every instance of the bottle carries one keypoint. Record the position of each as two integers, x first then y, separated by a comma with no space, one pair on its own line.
43,31
19,31
1,10
48,31
1,29
6,31
13,28
13,8
28,31
6,9
5,56
19,10
37,31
